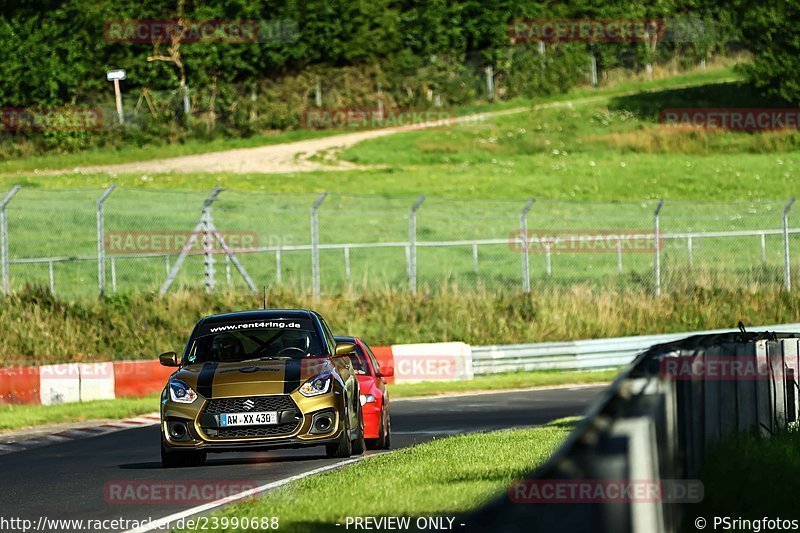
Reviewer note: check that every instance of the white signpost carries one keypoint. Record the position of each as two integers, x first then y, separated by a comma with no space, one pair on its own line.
116,76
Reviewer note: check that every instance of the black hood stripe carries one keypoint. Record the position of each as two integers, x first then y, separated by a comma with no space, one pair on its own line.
205,380
291,376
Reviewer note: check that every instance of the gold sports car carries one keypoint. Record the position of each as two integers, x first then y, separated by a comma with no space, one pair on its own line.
258,380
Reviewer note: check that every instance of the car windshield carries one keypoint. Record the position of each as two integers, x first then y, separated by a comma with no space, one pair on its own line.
253,344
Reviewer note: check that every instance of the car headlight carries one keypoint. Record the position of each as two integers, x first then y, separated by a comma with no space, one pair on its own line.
367,398
316,385
181,392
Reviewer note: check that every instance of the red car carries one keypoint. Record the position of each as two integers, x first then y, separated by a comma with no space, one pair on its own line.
374,395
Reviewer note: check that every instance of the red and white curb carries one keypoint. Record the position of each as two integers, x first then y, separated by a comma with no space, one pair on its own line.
8,444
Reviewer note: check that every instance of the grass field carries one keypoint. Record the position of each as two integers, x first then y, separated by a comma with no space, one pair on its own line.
598,163
14,417
408,482
749,478
40,329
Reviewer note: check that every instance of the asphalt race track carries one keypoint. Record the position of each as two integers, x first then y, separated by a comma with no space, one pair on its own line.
67,480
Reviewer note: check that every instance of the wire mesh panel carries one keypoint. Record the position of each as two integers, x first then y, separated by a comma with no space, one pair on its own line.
53,231
145,231
270,234
481,252
723,244
592,242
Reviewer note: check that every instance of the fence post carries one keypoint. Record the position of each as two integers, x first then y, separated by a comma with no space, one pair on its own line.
4,235
51,277
412,245
278,273
206,223
347,264
523,227
788,270
315,244
657,246
101,242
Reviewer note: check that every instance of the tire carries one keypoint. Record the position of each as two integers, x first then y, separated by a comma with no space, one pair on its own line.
359,445
386,441
341,449
171,459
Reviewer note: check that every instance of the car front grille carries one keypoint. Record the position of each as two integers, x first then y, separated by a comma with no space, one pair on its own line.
279,402
257,431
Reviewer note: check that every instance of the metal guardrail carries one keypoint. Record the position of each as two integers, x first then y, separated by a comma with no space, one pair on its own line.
595,354
654,427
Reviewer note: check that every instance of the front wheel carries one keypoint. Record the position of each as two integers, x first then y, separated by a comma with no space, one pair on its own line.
341,449
360,445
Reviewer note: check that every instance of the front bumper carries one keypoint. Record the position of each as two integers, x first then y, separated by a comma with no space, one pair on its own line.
202,430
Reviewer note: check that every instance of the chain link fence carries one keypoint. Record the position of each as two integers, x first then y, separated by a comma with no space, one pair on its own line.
82,242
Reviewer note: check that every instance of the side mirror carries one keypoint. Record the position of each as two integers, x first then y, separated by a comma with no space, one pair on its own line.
386,372
168,359
345,348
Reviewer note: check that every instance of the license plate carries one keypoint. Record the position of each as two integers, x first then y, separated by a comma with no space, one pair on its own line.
248,419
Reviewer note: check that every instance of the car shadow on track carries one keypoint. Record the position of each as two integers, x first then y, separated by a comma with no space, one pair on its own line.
233,460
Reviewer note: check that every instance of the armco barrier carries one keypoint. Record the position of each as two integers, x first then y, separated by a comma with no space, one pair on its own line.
595,354
651,429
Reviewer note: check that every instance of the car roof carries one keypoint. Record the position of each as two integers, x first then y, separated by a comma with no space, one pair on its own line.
258,314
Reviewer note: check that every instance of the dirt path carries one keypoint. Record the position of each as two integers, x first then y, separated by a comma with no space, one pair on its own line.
277,158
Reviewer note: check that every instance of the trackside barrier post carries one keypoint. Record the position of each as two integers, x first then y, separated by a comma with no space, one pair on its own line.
657,247
787,268
315,244
4,235
523,227
101,244
412,245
